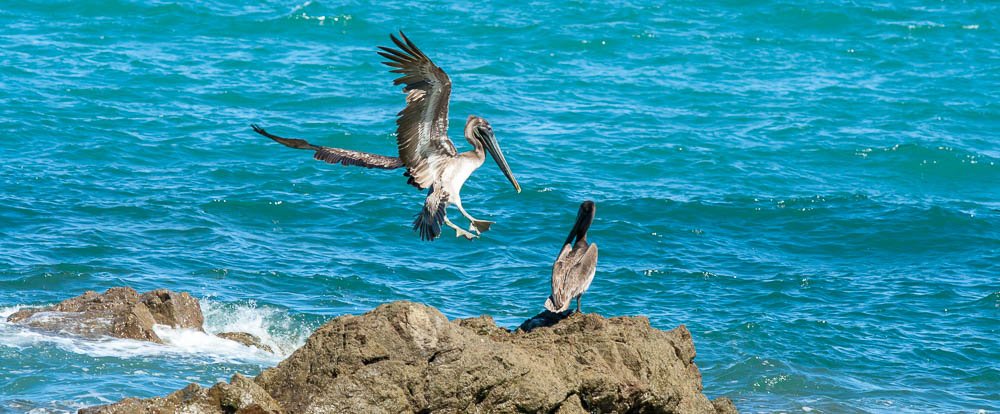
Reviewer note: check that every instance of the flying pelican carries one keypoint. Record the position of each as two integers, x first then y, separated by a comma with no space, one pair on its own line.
429,157
576,264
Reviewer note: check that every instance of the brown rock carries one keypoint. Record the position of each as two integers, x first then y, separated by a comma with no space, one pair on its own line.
724,405
119,312
571,405
242,395
246,339
239,396
179,310
135,322
406,357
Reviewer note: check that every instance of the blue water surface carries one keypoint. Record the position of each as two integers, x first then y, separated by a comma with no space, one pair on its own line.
813,188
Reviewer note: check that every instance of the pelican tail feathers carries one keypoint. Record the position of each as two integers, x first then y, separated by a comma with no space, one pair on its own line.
428,222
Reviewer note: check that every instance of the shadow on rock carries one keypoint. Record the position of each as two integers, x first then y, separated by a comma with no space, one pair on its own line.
543,320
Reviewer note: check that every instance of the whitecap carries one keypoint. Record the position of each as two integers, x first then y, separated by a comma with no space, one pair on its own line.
6,311
275,327
177,343
190,341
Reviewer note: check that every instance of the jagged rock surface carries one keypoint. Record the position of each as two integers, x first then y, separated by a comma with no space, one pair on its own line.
239,396
119,312
407,357
179,310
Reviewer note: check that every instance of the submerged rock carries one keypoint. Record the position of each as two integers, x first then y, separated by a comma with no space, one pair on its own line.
246,339
119,312
407,357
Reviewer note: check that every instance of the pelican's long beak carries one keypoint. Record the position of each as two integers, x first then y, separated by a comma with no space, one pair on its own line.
491,145
584,218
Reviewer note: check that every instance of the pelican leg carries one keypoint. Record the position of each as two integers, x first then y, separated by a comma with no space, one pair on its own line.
578,303
458,231
477,226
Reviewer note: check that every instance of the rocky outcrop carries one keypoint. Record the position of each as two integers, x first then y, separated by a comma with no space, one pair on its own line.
119,312
246,339
406,357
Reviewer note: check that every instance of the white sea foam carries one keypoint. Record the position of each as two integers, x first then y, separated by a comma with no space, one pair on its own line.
275,327
178,343
6,311
301,6
190,341
52,407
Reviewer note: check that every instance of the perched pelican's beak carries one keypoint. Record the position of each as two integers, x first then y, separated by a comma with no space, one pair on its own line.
490,143
584,217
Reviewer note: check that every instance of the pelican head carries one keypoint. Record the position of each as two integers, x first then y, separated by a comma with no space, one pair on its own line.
584,217
479,130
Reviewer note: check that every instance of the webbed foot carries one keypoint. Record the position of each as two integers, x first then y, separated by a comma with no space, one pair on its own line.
463,233
480,226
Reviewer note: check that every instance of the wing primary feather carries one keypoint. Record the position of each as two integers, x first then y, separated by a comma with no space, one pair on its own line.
395,53
413,48
402,45
394,58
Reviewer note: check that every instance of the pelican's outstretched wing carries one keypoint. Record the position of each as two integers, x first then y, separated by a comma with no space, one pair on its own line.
430,218
421,127
337,155
571,275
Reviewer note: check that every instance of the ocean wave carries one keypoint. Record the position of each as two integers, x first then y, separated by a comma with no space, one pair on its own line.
275,327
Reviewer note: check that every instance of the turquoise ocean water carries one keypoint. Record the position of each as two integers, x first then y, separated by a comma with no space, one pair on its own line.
813,188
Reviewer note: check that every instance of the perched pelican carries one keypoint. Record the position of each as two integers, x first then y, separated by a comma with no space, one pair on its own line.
429,157
575,266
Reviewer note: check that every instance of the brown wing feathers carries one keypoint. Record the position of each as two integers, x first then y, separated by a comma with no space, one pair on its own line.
357,158
410,62
336,155
422,126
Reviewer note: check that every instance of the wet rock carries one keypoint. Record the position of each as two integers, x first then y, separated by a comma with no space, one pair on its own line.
246,339
179,310
239,396
407,357
724,405
119,312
